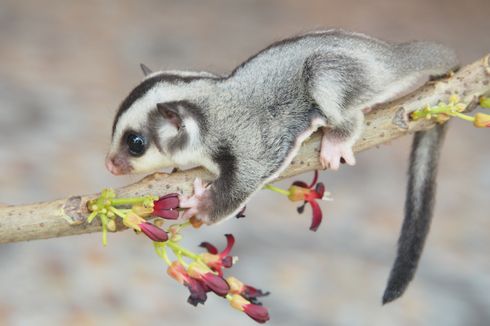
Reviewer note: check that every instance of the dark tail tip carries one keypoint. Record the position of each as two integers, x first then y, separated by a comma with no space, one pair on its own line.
391,295
401,274
418,210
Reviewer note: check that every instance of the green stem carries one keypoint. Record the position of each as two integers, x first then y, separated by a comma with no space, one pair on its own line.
162,252
128,201
91,217
462,116
103,219
176,248
180,259
278,190
182,225
165,256
117,212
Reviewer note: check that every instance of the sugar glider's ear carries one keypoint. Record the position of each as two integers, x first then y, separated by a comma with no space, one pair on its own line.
170,112
145,69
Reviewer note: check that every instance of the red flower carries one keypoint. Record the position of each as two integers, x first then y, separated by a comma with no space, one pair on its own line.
254,311
134,221
196,288
309,193
153,232
167,206
248,292
212,281
217,261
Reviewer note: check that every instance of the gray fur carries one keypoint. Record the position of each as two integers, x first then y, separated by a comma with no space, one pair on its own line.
419,205
254,116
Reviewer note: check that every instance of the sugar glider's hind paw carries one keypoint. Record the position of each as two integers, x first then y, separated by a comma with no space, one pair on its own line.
199,204
332,152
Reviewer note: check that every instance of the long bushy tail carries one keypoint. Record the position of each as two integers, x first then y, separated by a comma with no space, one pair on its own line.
431,58
418,209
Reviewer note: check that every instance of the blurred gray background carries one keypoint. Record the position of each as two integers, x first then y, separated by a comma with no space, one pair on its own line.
64,68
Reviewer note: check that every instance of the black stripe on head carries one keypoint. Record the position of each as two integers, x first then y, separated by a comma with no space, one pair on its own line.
143,88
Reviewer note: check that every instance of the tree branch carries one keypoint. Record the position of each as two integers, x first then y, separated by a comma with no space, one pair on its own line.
389,121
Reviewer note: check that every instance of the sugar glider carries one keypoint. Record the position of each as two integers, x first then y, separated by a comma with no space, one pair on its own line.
247,126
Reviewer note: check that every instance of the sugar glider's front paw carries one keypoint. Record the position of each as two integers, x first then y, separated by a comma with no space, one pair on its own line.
199,204
332,152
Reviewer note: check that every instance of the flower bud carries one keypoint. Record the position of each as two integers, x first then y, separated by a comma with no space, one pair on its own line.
482,120
485,102
256,312
111,225
153,232
167,206
214,282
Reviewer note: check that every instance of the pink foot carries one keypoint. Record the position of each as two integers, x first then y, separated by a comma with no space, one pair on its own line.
199,204
333,151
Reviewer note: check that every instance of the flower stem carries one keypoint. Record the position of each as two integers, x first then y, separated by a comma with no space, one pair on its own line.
161,251
179,258
117,212
103,219
176,248
128,201
462,116
276,189
91,217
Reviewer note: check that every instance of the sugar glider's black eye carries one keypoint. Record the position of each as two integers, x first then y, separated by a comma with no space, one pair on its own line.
136,144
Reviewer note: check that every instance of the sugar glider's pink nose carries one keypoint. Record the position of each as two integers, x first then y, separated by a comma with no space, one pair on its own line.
112,167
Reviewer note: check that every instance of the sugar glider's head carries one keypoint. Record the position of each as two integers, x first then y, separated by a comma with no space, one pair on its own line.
156,126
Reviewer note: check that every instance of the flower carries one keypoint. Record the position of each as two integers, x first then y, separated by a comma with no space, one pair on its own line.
142,210
248,292
214,282
309,193
482,120
217,261
153,232
254,311
167,206
136,222
133,220
196,288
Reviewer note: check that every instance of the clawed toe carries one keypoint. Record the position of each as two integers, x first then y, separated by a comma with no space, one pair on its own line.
198,204
332,153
